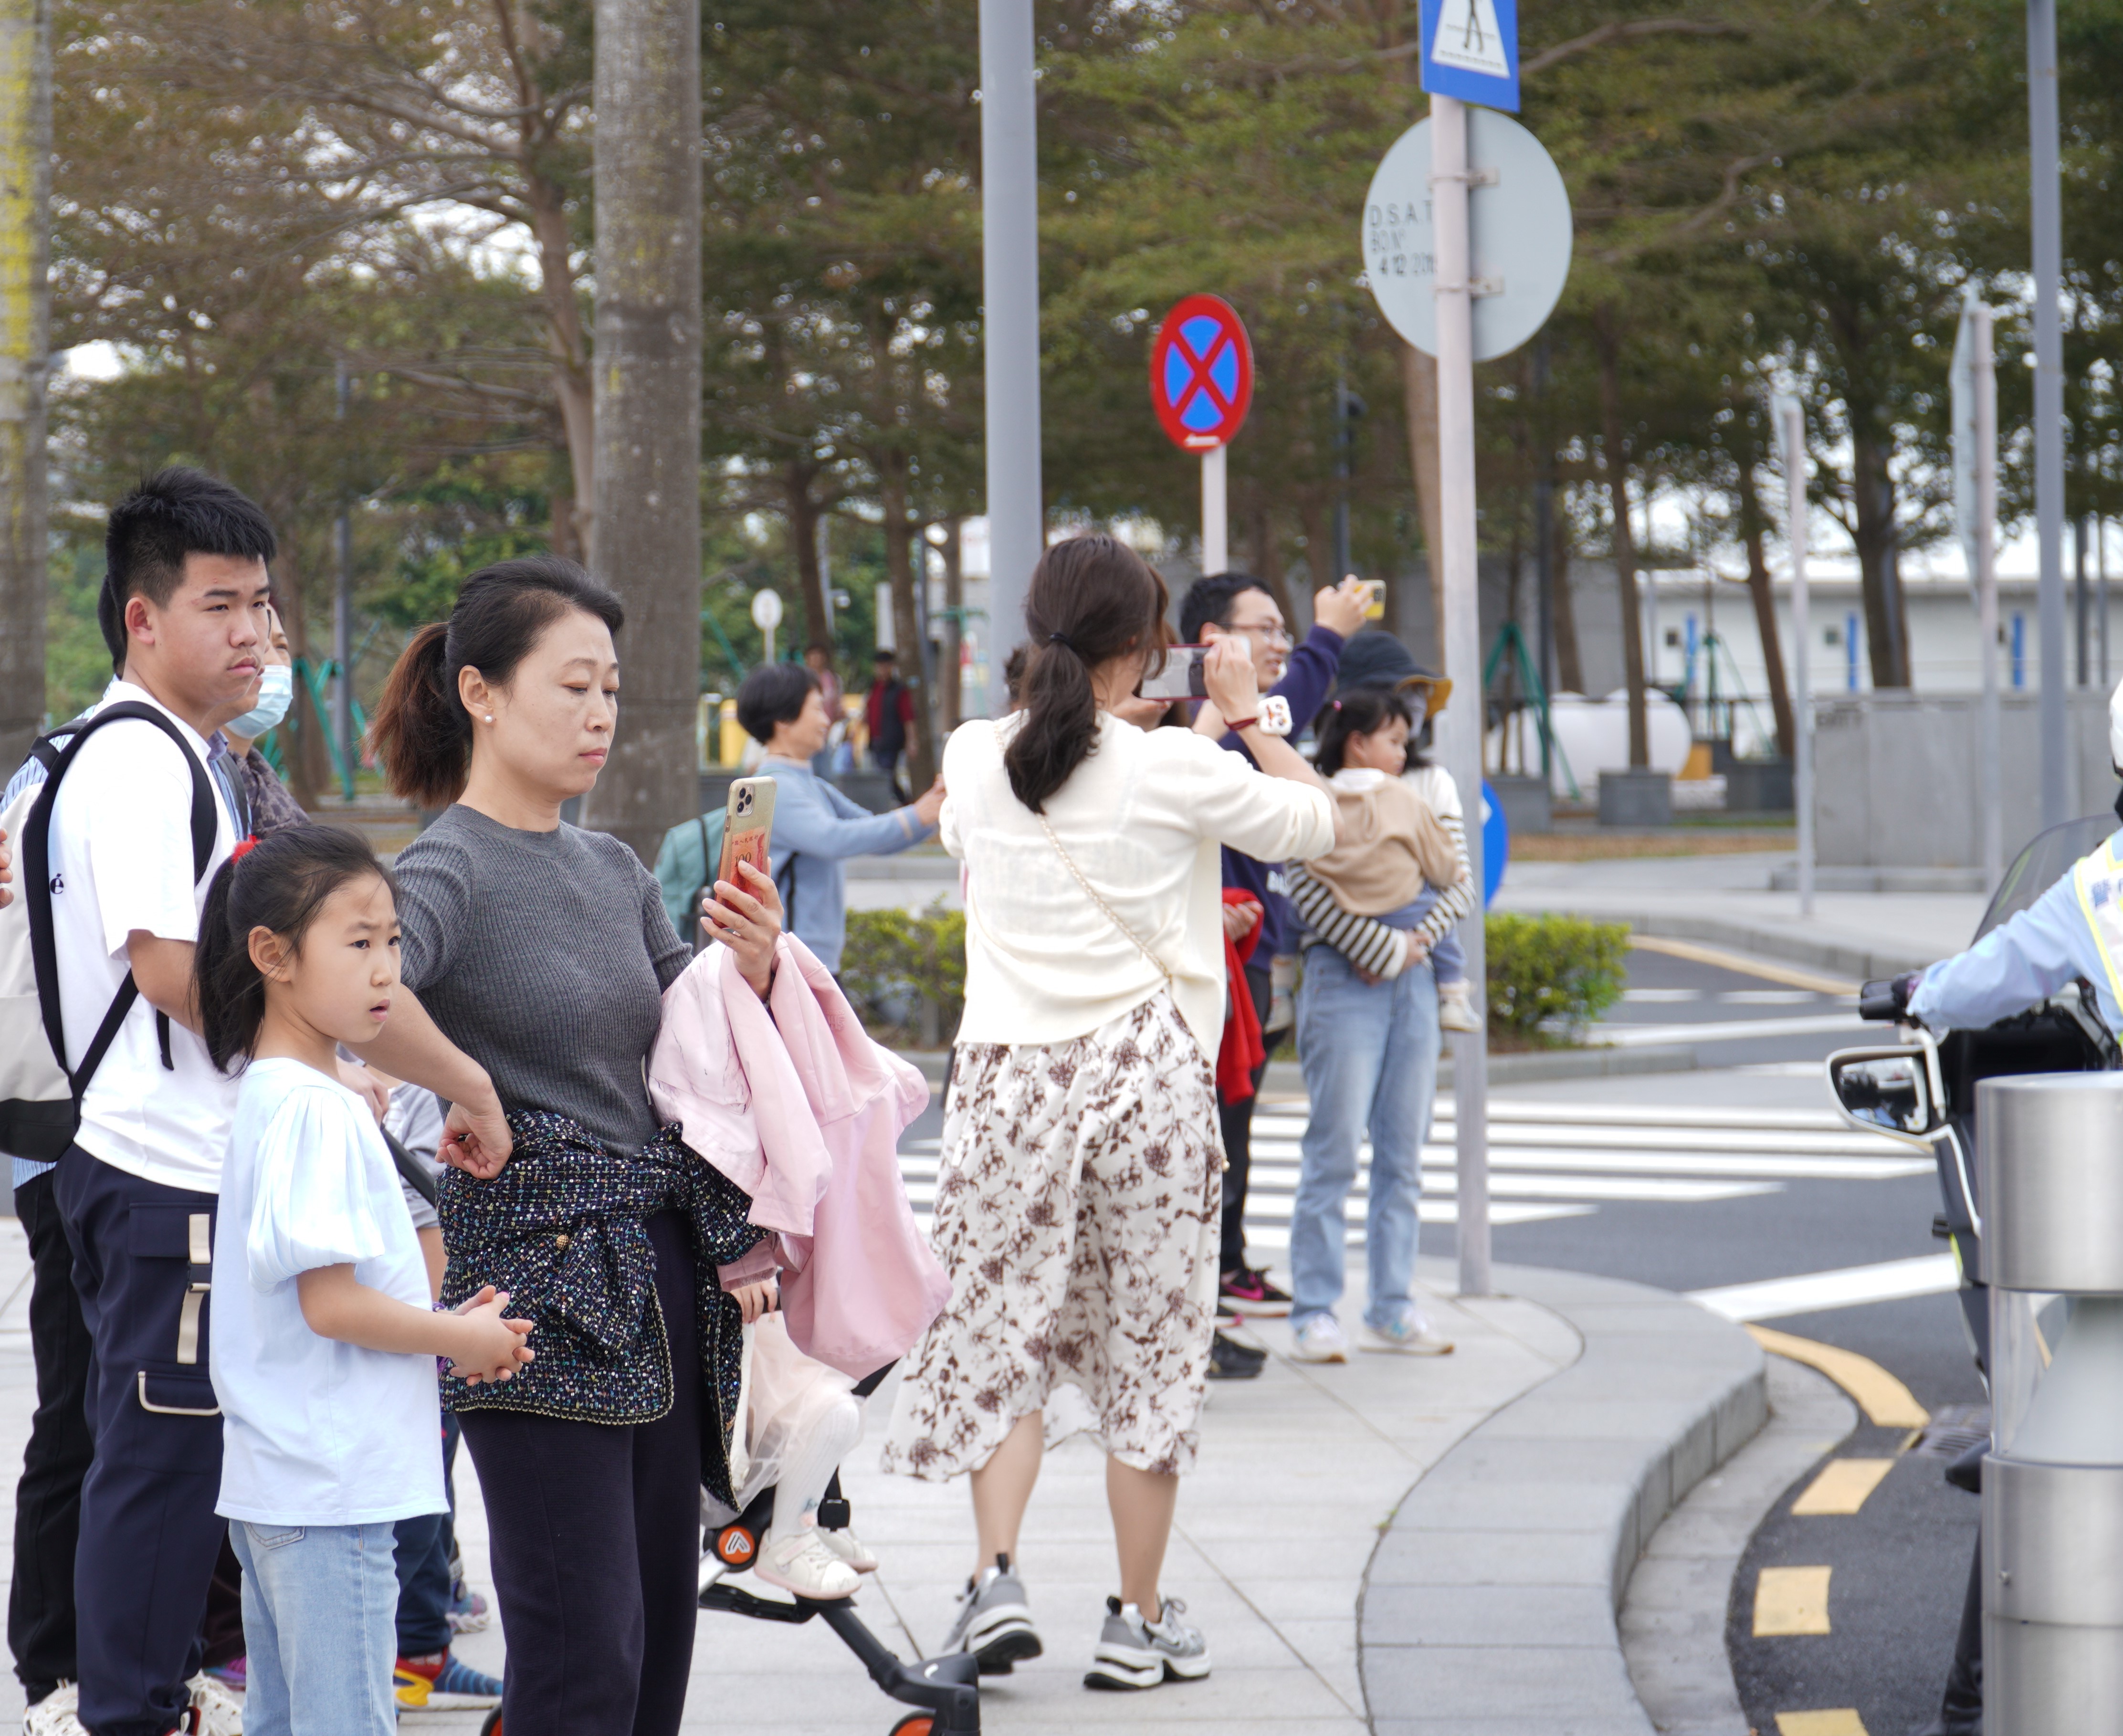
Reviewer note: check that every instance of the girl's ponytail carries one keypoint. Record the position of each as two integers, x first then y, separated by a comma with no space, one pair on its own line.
230,992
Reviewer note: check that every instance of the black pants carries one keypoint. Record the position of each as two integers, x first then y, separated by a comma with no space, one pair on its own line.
594,1534
1238,1124
48,1498
424,1547
149,1535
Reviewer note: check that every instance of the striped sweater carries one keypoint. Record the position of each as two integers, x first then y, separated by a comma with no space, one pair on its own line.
1371,945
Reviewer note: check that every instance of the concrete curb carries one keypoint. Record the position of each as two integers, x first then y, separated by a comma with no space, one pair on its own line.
1765,939
1489,1607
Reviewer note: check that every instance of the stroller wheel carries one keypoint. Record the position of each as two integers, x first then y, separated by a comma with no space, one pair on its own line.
914,1724
491,1725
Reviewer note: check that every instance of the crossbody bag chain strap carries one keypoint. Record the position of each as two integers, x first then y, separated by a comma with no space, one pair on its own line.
1091,892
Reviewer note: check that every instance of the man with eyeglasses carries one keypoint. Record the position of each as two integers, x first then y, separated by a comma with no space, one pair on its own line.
1238,606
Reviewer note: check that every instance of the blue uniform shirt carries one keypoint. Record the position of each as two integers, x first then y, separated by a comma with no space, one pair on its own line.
822,828
2023,961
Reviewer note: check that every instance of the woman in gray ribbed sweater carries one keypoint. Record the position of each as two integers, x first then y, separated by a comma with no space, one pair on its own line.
540,951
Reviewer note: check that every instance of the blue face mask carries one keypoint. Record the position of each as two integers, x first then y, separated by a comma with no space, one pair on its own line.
276,693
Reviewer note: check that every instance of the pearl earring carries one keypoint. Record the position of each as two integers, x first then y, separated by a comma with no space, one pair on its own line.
490,717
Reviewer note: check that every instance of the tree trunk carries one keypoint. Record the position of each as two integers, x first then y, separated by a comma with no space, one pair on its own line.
309,764
802,513
1266,565
573,518
1615,462
1418,375
25,185
950,676
1751,525
1887,627
1563,618
647,409
891,466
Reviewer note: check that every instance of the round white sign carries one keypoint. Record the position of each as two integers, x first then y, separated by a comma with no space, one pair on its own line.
767,610
1518,219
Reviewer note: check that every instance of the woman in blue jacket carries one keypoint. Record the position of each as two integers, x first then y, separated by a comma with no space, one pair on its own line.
816,828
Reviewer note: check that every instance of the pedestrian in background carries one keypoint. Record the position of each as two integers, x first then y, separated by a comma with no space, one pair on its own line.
818,659
1369,1047
1077,1200
1238,606
816,827
888,710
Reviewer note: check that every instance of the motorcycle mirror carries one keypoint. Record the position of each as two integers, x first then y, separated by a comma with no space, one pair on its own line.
1896,1090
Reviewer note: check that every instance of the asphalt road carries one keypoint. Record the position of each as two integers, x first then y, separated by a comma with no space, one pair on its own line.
1900,1565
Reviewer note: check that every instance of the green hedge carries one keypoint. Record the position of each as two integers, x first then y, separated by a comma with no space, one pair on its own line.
1561,969
906,973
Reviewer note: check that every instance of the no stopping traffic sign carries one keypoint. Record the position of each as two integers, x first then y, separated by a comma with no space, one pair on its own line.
1200,373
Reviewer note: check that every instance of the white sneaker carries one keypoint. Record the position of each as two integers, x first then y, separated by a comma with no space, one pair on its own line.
1409,1334
849,1547
801,1563
58,1714
1320,1339
216,1711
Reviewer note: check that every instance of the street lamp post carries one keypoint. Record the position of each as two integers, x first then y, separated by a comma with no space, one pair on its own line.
1010,297
2048,402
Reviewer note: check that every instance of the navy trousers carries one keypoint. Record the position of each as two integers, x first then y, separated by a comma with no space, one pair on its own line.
149,1534
48,1498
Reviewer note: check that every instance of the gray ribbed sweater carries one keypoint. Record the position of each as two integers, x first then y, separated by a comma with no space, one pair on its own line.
544,956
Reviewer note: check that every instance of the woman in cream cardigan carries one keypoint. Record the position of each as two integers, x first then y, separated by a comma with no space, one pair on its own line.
1077,1203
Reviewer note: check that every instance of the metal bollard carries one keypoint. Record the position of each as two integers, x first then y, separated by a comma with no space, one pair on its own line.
2052,1242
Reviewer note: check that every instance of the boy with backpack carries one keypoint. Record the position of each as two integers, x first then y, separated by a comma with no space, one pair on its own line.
127,1119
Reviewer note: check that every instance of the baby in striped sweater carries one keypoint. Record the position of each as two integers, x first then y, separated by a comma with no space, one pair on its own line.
1390,893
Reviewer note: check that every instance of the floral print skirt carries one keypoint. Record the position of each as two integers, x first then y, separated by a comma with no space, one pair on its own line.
1076,1213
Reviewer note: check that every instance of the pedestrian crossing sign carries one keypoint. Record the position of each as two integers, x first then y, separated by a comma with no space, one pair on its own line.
1471,50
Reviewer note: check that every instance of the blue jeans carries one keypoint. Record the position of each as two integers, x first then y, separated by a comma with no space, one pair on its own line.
1369,1052
320,1617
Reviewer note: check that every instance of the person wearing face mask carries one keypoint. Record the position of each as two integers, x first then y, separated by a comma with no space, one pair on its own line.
258,793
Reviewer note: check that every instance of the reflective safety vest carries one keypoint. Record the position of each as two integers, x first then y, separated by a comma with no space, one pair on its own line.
2097,878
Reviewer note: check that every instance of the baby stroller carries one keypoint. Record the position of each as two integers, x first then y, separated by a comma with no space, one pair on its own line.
947,1689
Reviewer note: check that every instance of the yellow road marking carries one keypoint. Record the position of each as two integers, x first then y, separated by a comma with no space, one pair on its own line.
1885,1401
1790,975
1791,1600
1841,1487
1842,1722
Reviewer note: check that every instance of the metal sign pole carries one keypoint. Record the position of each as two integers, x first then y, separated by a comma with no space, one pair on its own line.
1463,647
1216,517
1010,297
1794,421
2048,402
1986,594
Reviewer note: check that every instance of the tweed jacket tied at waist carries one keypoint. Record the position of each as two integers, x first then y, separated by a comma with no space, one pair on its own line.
563,1229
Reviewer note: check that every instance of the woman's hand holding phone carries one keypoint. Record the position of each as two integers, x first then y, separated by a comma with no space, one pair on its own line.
748,922
1228,673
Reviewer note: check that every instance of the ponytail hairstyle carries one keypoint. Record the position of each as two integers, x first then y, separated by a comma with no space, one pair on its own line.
421,734
1092,599
1359,711
279,884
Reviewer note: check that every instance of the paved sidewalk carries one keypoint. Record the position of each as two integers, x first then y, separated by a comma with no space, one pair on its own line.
1302,1472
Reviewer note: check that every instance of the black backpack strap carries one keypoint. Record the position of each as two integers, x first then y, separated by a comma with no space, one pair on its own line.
37,883
411,1170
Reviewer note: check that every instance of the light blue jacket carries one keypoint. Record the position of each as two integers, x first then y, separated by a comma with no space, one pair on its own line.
2022,962
820,827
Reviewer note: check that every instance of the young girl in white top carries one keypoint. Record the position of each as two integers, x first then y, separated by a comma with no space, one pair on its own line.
324,1342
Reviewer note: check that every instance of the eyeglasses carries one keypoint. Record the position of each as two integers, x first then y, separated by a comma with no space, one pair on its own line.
1270,632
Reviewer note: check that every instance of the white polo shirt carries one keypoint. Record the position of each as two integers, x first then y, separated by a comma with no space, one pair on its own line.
121,859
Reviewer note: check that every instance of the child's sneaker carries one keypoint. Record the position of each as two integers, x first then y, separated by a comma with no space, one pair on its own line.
215,1711
58,1714
849,1547
1320,1339
1135,1654
468,1611
802,1562
994,1621
1247,1292
1456,1007
441,1683
1408,1333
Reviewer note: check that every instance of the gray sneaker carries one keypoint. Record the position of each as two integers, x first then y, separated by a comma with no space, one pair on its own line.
1135,1654
994,1621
